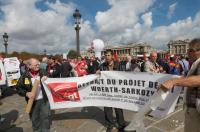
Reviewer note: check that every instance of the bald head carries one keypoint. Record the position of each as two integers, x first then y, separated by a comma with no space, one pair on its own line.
153,56
33,64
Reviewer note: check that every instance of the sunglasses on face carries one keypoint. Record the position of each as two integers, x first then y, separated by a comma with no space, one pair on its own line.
193,50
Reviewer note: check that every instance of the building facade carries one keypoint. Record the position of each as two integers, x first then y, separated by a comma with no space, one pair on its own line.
178,47
135,49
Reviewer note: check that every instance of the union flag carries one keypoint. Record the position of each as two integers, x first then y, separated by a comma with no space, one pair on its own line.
64,91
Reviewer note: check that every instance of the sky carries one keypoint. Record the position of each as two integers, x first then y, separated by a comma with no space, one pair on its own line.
35,25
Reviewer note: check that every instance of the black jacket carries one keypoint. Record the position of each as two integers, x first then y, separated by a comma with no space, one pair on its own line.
65,69
23,88
104,66
93,66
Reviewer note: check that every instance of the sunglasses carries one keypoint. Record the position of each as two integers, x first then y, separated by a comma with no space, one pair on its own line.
193,50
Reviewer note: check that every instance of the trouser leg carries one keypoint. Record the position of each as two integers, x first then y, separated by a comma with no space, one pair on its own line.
35,116
108,113
120,117
45,116
192,120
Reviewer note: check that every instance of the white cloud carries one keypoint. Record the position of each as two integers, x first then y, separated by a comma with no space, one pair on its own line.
182,29
123,14
135,28
147,18
33,30
171,10
61,8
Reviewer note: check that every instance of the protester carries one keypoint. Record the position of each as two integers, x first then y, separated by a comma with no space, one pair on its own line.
184,65
66,68
128,63
93,65
22,66
111,65
50,65
122,63
192,92
54,67
73,63
163,62
151,65
81,67
40,113
43,64
134,66
174,67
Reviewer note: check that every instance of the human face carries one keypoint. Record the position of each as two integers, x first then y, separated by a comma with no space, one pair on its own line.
129,58
35,65
92,58
193,53
154,57
108,57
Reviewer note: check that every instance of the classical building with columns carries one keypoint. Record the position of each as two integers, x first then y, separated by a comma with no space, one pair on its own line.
135,49
178,47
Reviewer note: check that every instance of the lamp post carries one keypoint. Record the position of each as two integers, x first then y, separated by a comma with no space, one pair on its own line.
77,17
5,38
45,52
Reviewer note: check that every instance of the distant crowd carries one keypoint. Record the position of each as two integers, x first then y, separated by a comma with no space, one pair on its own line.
76,67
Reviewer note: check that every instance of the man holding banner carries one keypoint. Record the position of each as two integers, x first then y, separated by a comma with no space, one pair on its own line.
192,93
111,65
40,112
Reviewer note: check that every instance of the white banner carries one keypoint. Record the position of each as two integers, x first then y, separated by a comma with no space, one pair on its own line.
2,74
126,90
12,70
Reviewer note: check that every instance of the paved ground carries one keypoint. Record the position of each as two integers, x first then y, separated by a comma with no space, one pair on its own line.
90,119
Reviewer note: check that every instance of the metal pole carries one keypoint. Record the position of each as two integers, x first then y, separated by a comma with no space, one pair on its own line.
77,28
6,49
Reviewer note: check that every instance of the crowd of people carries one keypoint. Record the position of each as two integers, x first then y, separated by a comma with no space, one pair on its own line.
80,66
75,67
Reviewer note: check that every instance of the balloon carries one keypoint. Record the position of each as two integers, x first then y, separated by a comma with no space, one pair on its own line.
98,45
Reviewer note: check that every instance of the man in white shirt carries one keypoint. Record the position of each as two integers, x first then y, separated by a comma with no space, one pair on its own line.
40,113
151,65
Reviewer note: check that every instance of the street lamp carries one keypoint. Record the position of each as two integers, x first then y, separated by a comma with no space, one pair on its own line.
45,52
77,17
5,38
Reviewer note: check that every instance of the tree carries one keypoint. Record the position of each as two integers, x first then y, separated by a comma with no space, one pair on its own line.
72,54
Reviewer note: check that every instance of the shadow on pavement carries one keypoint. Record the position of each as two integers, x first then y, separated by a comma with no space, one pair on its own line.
8,124
86,113
8,91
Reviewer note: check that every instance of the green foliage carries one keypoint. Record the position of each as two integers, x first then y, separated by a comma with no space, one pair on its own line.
24,55
72,54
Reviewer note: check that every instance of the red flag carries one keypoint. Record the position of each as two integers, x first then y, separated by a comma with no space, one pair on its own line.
64,91
115,56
